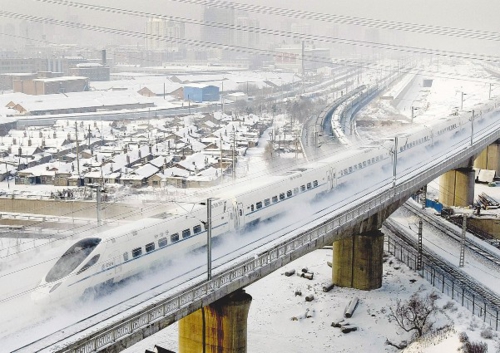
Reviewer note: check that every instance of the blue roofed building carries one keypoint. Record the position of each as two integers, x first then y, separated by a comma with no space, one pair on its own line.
201,93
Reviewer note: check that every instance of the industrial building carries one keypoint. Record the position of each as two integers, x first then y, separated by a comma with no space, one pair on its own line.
201,93
52,85
94,71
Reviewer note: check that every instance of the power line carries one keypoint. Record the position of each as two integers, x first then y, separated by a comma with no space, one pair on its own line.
350,20
280,33
233,48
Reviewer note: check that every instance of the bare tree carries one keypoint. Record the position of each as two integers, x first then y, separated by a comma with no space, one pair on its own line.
414,314
475,347
268,151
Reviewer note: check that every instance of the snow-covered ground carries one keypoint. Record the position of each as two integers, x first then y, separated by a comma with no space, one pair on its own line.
277,319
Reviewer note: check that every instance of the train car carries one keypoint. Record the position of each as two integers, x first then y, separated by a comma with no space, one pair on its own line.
109,257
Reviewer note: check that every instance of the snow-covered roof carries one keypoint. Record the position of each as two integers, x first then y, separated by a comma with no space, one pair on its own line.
72,100
83,65
61,78
175,172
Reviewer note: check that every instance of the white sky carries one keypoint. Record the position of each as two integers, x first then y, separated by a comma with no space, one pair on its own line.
462,14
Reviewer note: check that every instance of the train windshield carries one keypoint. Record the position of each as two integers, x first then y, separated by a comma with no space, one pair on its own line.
72,258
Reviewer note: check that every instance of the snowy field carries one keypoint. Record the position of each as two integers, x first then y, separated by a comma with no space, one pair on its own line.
272,326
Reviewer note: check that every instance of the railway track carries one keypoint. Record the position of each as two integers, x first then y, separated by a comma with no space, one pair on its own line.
406,239
451,231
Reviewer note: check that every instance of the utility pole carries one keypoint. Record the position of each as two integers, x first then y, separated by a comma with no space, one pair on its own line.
472,129
98,200
209,239
89,139
420,251
303,66
462,243
413,113
423,196
462,100
77,152
395,161
222,98
296,147
220,161
234,155
102,131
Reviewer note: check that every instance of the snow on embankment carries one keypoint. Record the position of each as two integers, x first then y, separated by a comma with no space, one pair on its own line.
398,90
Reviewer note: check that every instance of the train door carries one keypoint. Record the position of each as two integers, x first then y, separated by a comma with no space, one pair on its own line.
112,267
232,218
239,216
332,179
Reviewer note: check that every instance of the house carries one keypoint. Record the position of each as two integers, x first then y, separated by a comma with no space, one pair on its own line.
140,176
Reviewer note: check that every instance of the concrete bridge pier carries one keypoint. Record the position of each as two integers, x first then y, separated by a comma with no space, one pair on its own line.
357,261
456,187
489,158
219,327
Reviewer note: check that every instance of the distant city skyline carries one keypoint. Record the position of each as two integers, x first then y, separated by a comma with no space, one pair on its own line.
369,25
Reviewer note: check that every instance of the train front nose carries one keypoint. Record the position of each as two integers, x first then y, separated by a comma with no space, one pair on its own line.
45,293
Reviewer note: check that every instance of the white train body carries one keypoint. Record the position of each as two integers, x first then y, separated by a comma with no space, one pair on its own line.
116,254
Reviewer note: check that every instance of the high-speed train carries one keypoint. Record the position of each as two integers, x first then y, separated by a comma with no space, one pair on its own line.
113,255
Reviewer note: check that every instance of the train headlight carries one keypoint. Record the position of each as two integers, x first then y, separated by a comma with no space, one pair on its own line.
55,287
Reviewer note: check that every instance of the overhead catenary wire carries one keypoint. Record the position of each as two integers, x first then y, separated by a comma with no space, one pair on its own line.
278,33
242,49
350,20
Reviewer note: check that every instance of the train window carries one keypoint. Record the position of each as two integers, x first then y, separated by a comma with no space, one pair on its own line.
350,169
360,166
125,256
302,188
315,183
91,262
376,158
364,163
186,233
282,196
267,202
72,258
258,204
373,160
150,247
174,237
295,191
252,208
308,186
134,232
369,161
137,252
241,213
197,229
275,199
289,193
162,242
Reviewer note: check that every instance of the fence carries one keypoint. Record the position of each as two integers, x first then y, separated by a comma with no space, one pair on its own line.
443,279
